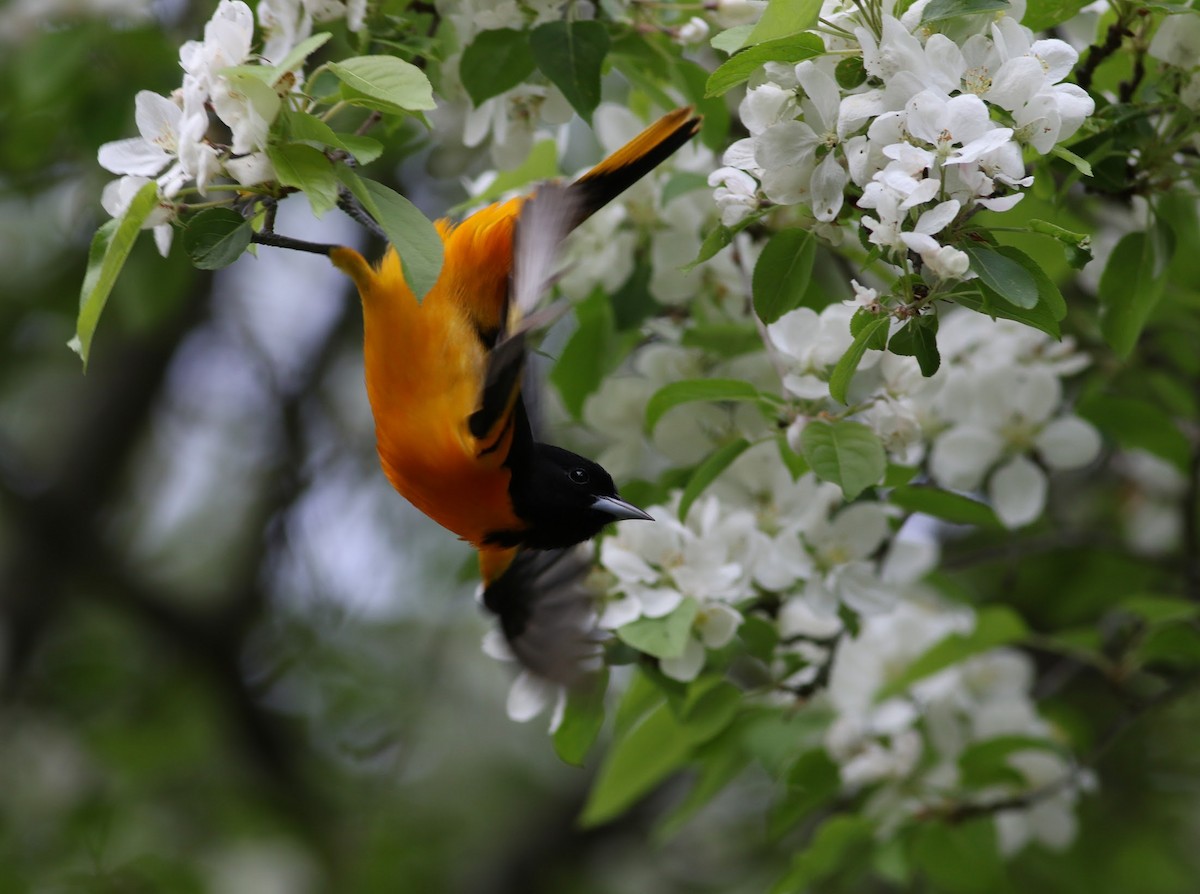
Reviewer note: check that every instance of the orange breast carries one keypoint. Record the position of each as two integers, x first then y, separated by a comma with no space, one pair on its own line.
424,367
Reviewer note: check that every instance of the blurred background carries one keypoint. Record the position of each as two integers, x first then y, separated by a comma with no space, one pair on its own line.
231,658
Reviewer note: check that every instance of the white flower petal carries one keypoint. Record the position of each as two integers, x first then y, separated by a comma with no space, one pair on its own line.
717,625
133,156
827,190
961,456
686,666
657,602
529,696
1068,443
1018,492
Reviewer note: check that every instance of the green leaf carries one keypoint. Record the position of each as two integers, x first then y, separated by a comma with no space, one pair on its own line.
593,351
847,454
653,748
1082,165
364,149
1156,610
691,390
692,79
542,164
737,68
1177,646
306,169
850,72
216,237
986,763
298,54
918,338
395,85
571,55
417,241
495,61
1003,275
868,336
960,857
723,339
1132,285
663,637
1045,14
941,10
782,273
1137,424
1048,294
720,761
987,302
682,183
109,250
713,242
946,505
841,841
583,716
656,745
309,129
706,473
796,464
995,625
731,39
783,18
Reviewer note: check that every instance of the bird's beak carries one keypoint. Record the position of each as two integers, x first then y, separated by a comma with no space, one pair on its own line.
619,509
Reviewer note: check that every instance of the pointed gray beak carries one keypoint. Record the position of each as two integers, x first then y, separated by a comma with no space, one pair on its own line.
619,509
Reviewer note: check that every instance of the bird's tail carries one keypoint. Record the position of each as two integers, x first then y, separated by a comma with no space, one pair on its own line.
633,161
546,610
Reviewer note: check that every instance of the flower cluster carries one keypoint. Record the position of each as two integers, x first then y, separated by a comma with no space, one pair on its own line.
762,536
995,404
910,745
216,124
934,129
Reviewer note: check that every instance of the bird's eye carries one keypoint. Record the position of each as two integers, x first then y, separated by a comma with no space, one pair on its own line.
579,476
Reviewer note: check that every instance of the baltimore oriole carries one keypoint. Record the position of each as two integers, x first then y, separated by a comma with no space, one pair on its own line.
444,380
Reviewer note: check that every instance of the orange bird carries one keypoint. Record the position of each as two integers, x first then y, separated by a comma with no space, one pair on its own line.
444,379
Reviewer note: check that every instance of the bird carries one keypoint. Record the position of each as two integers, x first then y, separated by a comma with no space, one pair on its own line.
445,378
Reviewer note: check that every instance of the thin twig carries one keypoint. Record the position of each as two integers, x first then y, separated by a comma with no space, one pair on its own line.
277,241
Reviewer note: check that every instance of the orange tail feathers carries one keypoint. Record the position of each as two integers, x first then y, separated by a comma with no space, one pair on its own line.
634,160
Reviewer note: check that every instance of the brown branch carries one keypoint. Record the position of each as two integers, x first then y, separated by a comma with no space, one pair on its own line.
960,811
1117,32
277,241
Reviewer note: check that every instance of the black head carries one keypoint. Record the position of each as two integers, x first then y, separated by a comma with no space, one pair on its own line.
566,498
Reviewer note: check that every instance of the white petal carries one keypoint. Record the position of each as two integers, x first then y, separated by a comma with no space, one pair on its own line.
1016,82
1001,203
1018,492
163,234
619,612
717,624
822,90
859,587
625,564
133,156
251,169
781,145
1068,443
658,602
686,666
158,119
529,696
798,618
828,185
495,646
937,218
961,456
